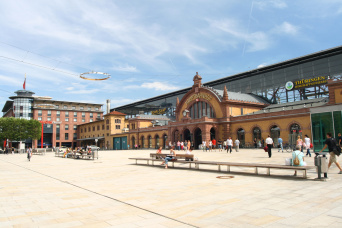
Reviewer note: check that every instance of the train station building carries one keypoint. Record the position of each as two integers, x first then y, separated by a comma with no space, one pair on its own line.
301,96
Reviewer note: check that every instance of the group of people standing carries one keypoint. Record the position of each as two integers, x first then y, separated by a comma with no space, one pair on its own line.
180,145
211,145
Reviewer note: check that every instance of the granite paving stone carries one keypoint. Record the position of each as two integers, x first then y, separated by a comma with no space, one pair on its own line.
112,191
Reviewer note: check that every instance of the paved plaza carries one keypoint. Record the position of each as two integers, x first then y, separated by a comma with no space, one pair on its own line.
112,191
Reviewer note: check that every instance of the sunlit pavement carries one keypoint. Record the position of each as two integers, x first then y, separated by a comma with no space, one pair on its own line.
51,191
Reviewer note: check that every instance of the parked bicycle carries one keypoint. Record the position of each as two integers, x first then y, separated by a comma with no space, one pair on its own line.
288,148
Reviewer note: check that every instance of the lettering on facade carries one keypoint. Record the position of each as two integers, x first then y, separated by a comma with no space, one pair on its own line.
197,96
306,83
159,111
48,106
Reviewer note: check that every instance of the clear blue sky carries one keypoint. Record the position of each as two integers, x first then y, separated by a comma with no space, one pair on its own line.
152,47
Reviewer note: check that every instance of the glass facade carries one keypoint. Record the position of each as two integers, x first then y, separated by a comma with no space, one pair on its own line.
267,82
23,104
322,123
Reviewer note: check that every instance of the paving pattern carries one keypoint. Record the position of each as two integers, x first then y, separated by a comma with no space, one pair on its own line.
112,191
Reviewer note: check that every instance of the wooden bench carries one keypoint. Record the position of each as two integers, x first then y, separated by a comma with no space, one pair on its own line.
189,157
256,166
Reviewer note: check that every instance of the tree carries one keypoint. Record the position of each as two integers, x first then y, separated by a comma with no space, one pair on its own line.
17,129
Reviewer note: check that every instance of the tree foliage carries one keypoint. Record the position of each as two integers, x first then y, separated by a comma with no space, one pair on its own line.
19,129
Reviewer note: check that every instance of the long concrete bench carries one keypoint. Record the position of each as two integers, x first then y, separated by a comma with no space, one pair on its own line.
178,156
268,167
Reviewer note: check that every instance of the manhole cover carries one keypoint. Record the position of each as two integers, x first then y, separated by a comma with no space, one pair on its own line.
225,177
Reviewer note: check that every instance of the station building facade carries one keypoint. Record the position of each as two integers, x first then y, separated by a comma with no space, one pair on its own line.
205,113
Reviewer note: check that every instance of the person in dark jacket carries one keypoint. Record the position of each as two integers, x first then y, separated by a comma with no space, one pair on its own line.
331,144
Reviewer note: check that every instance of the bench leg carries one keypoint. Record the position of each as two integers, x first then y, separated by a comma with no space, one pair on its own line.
219,168
152,163
136,161
304,174
197,166
256,170
189,165
148,162
228,168
268,171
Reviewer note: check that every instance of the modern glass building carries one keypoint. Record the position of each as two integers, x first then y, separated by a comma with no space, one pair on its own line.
23,104
324,120
293,80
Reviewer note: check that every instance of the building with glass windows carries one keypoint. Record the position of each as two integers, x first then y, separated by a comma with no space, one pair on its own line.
59,118
205,113
293,98
268,82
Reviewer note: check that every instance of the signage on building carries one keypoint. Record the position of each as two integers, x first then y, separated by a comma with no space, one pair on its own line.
159,111
299,84
197,96
48,106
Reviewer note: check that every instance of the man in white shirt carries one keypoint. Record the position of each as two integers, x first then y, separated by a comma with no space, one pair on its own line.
237,144
229,144
269,143
307,142
203,145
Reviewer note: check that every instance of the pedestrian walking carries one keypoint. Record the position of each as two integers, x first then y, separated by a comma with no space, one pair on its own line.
270,144
280,144
307,143
210,146
214,144
219,143
237,145
300,143
229,144
29,153
333,150
339,139
255,143
204,146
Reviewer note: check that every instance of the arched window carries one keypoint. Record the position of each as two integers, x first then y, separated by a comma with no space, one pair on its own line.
133,142
275,134
149,141
256,133
142,142
107,121
295,129
201,108
157,141
241,136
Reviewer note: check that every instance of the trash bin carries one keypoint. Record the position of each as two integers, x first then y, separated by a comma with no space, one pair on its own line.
321,161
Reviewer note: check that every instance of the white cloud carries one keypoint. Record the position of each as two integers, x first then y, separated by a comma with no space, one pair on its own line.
339,11
125,68
82,91
286,28
264,4
159,86
261,65
256,41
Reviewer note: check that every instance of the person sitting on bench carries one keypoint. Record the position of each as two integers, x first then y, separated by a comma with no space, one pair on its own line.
169,157
159,151
300,155
189,152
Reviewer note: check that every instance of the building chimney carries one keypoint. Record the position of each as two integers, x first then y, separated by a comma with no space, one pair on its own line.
108,106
